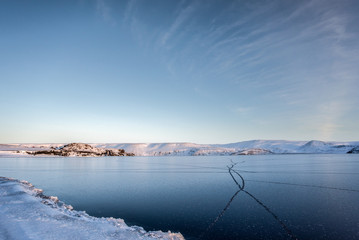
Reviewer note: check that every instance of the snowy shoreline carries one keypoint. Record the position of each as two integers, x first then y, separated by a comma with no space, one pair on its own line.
26,213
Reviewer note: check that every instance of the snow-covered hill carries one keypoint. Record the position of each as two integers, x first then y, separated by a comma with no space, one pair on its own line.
177,149
246,147
275,146
193,149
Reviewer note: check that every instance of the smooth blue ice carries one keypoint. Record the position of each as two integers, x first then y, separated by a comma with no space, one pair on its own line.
315,196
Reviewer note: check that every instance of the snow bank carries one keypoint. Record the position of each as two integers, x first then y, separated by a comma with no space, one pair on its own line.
25,213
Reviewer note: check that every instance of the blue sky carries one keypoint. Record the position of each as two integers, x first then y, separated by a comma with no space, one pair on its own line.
174,71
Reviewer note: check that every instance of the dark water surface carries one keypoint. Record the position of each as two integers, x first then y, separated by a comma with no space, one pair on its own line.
284,196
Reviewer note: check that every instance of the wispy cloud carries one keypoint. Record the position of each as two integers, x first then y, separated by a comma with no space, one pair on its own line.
104,11
183,15
129,11
303,57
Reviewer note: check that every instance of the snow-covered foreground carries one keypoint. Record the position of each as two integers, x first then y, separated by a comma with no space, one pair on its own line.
193,149
25,213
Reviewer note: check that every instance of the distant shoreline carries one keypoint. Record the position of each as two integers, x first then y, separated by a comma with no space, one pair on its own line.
254,147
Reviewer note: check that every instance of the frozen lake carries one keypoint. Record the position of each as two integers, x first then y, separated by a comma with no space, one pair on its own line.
284,196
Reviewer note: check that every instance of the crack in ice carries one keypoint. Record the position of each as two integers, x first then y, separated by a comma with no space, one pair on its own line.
241,189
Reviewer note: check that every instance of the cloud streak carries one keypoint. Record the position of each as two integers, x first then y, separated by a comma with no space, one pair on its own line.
104,10
303,57
182,17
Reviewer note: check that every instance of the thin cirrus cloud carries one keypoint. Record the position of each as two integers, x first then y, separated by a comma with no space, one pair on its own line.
104,10
247,69
180,19
298,57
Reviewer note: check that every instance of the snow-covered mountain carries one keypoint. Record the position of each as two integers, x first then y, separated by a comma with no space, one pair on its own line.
253,151
178,149
253,147
275,146
247,147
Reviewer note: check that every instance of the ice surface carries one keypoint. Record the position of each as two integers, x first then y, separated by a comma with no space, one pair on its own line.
25,213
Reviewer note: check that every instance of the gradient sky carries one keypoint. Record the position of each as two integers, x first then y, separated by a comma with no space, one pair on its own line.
174,71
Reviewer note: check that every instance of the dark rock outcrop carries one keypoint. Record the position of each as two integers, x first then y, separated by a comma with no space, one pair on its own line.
81,150
355,150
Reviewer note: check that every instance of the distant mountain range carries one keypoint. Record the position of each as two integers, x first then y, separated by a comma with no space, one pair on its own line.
253,147
244,148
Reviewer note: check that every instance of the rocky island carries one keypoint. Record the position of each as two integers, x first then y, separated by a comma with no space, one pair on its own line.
354,150
81,150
